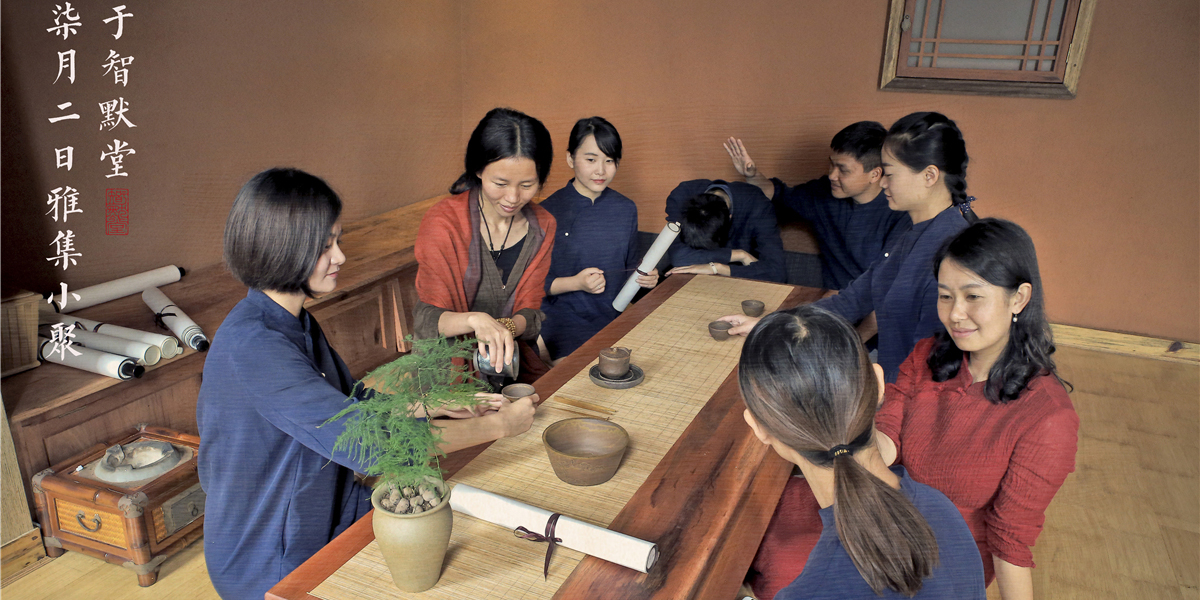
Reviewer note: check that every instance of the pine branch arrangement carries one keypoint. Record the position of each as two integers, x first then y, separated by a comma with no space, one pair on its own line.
382,428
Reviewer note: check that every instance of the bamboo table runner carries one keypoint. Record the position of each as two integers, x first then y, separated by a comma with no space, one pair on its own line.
684,366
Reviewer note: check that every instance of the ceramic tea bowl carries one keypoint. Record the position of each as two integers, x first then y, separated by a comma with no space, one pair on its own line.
516,391
753,308
719,330
585,451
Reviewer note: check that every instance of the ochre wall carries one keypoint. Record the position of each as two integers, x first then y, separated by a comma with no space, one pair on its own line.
379,98
364,94
1105,183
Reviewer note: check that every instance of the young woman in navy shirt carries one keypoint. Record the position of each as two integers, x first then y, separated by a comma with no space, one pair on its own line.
811,393
277,491
595,248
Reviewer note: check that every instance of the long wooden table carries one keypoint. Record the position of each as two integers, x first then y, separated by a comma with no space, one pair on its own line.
706,504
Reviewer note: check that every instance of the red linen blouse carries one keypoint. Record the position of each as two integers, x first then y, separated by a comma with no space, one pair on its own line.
1000,464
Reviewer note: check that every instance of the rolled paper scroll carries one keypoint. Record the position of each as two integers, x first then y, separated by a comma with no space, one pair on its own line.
143,353
93,361
167,313
653,255
117,288
590,539
168,345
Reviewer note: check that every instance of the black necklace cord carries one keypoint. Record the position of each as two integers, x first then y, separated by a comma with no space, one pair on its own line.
492,247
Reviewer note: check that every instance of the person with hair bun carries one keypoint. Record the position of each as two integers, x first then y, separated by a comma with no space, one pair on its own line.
483,254
924,175
811,393
277,492
595,247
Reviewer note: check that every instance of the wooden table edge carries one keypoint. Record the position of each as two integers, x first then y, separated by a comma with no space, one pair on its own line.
299,584
717,574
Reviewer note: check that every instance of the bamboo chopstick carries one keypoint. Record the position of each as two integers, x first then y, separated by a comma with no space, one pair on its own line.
584,405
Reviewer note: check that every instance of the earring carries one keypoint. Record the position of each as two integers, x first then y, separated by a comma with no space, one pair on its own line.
1014,318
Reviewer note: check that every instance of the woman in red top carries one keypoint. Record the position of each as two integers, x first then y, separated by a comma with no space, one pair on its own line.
978,412
483,254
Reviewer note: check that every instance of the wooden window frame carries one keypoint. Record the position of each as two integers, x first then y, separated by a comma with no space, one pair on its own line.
1062,82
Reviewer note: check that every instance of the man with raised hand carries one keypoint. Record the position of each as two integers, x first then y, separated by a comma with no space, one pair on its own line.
847,207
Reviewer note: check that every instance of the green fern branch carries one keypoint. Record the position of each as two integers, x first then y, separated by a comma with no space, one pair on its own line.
381,428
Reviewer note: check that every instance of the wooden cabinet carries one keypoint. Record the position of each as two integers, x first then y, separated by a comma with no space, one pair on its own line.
137,524
366,328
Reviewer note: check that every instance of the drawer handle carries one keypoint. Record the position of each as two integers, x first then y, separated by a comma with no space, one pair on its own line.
95,519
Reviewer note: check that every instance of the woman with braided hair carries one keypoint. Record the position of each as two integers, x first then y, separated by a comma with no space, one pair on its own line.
924,174
811,393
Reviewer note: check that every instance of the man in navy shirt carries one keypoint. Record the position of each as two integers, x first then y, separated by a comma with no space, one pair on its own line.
740,241
847,207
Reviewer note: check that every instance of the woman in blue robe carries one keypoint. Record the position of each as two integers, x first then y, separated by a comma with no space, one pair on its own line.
276,490
595,248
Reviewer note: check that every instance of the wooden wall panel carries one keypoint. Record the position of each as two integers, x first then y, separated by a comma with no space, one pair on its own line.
1105,183
379,98
365,95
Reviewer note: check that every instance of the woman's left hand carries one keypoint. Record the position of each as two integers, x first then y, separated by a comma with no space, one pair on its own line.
741,323
495,340
488,403
648,280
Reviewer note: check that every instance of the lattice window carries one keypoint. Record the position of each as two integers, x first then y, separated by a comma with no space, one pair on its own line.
1008,47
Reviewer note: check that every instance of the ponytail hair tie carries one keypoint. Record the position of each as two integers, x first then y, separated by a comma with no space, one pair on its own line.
856,443
965,210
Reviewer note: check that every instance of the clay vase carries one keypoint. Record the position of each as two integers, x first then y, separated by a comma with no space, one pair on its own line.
614,362
413,546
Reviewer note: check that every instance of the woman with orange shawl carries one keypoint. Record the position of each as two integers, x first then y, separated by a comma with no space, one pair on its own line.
484,252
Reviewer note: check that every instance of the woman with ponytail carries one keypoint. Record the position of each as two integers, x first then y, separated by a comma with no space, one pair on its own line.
979,411
811,394
483,253
924,174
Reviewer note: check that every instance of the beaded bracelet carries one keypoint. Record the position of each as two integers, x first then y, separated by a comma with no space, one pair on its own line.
509,325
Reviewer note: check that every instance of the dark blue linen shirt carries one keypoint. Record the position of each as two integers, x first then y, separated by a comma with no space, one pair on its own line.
851,235
600,234
754,230
274,496
829,573
901,289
